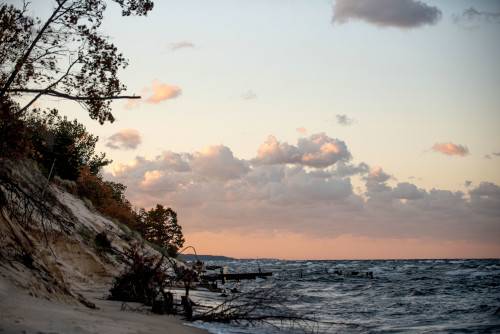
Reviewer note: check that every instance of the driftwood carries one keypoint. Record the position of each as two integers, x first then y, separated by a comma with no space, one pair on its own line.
259,306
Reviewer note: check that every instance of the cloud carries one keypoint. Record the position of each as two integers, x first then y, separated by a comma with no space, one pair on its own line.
386,13
181,45
249,95
218,162
126,139
485,199
162,92
492,155
302,130
344,120
451,149
215,191
467,183
318,150
472,16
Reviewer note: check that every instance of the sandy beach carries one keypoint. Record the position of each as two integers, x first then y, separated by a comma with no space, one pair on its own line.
22,313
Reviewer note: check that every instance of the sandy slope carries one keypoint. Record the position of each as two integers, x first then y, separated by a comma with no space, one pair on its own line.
67,270
21,313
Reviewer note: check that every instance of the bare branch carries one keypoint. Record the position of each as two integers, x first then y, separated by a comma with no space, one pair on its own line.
23,59
55,93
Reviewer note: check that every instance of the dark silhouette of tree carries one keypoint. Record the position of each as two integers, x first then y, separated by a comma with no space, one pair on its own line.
64,144
65,56
159,226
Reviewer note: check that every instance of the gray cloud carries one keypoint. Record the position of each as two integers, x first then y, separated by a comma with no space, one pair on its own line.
213,190
485,199
344,120
181,45
471,17
126,139
386,13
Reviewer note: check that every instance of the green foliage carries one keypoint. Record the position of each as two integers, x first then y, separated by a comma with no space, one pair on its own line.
159,226
65,143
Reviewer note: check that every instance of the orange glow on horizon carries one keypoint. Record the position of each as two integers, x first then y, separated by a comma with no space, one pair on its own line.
299,247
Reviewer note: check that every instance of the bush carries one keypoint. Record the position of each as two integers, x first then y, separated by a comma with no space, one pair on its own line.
102,243
64,143
107,197
142,280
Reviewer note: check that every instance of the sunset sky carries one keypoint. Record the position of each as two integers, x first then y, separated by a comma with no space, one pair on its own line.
312,129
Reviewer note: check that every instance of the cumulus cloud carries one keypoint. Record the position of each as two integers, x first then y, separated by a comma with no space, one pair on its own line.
181,45
386,13
451,149
126,139
218,162
344,120
471,17
407,191
161,92
214,190
486,199
249,95
318,150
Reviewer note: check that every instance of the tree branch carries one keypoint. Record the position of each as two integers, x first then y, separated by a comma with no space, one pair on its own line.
55,93
24,58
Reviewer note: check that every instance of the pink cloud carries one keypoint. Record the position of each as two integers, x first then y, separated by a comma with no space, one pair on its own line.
302,130
162,92
451,149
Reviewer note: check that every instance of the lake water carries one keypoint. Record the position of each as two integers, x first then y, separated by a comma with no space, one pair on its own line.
404,296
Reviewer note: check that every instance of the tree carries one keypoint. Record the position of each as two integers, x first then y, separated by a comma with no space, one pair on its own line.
159,226
64,143
65,56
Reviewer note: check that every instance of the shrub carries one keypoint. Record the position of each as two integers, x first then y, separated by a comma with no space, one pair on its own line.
142,280
106,197
102,243
64,143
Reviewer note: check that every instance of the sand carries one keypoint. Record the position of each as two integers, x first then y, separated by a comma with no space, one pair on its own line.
21,313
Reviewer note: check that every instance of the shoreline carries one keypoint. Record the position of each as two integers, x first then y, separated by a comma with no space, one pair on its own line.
22,313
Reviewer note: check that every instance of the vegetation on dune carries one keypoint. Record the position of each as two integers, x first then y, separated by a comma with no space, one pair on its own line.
65,149
65,56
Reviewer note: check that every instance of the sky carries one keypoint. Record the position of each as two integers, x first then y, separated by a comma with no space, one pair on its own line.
312,129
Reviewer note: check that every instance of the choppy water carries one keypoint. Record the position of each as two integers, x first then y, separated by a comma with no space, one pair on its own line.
416,296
